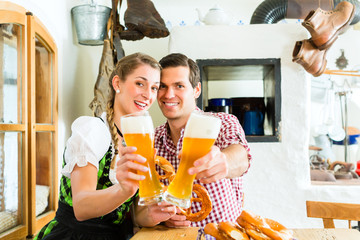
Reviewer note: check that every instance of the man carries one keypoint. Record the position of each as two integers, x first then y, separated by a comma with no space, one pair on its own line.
179,88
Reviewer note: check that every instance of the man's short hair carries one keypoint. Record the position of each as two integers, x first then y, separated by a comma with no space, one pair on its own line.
178,59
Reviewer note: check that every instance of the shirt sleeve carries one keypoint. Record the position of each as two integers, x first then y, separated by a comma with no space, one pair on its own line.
231,132
88,143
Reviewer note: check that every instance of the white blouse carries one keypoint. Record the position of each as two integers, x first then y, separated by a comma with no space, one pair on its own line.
88,143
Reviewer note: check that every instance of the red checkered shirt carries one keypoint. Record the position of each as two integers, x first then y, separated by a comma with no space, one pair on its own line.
226,194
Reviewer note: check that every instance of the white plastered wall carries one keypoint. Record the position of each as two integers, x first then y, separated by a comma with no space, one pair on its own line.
278,182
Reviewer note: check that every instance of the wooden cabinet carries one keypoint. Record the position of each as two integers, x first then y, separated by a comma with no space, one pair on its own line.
28,123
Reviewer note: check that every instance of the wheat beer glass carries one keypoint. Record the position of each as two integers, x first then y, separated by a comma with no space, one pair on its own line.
200,134
138,131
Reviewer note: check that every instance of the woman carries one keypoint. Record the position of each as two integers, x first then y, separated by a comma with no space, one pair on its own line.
95,199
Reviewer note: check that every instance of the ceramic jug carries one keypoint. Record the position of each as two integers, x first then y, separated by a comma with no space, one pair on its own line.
254,123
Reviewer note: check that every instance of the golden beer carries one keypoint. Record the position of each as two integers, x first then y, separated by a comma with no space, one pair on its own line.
138,131
200,134
193,148
144,143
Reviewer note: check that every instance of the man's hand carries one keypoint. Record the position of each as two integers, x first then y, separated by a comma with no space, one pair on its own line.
211,167
177,221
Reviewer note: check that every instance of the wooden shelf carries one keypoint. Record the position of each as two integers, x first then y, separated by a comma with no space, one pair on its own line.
341,182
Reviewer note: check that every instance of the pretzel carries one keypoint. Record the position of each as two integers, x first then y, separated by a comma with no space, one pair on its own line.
252,231
206,206
226,230
233,230
200,191
213,230
260,228
166,166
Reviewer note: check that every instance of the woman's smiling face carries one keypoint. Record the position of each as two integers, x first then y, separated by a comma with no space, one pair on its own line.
138,91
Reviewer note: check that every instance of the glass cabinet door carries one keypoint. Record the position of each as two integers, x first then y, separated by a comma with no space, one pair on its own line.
10,69
44,172
42,61
43,83
13,136
11,187
44,134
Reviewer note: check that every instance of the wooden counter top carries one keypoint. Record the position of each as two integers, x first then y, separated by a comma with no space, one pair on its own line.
331,234
162,233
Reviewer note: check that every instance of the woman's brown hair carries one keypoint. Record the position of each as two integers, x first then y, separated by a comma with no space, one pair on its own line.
123,68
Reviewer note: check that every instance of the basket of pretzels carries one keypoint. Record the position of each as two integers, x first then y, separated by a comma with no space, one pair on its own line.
249,226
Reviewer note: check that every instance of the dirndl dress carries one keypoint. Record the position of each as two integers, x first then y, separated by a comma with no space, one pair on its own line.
115,225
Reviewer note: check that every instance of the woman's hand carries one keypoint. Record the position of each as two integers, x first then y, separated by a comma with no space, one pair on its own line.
152,215
127,169
161,212
177,221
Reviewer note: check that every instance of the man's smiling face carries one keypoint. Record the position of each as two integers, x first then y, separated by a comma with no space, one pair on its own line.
176,97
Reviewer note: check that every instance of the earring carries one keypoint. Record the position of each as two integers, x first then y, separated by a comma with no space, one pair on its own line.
117,91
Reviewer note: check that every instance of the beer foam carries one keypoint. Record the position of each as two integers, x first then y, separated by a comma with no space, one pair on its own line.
202,126
140,124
